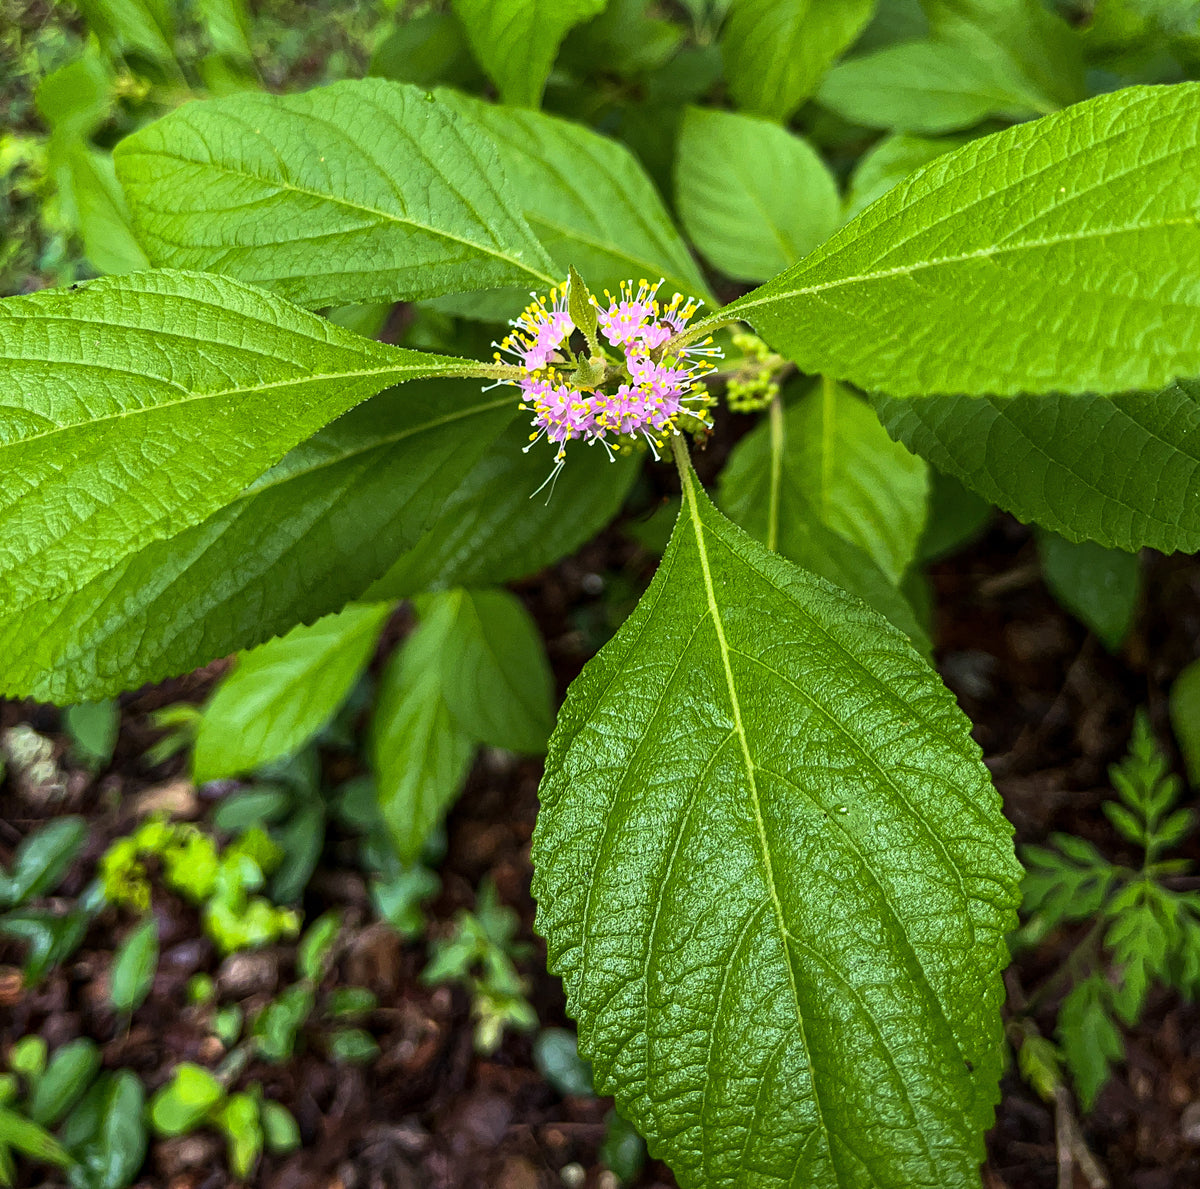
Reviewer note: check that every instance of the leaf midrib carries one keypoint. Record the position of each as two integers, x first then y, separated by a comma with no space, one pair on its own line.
977,254
349,204
689,489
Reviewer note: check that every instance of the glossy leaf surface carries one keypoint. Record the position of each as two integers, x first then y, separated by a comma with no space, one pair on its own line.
777,51
774,875
1057,255
515,40
163,393
398,197
302,540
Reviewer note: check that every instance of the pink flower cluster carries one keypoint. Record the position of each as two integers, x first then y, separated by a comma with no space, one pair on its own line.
636,397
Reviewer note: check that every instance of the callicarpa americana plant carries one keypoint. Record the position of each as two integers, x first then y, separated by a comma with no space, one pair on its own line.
770,865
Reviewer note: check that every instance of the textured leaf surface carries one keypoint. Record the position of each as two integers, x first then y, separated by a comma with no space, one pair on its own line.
515,40
495,676
926,86
776,51
1057,255
769,488
137,406
421,755
775,878
586,197
753,197
889,162
493,528
363,190
283,692
1121,470
303,539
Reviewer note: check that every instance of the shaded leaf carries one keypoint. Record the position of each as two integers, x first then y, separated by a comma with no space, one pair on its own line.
1099,586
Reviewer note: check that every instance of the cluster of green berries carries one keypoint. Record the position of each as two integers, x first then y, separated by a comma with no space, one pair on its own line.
754,385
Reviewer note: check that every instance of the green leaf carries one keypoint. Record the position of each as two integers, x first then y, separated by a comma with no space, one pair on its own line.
777,51
100,207
1122,470
587,199
280,1129
145,27
31,1140
42,859
239,1119
1101,587
774,875
186,1100
492,530
864,486
753,197
515,40
133,968
353,1046
622,1151
1055,256
107,1134
93,728
299,542
926,86
164,391
556,1055
1090,1039
283,692
495,676
1023,37
1185,718
400,196
316,946
426,49
421,755
762,490
71,1070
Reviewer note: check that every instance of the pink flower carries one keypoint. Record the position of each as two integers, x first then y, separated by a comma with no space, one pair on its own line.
639,399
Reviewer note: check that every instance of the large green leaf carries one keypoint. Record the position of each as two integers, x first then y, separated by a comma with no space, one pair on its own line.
770,488
421,754
927,86
493,528
363,190
303,539
495,677
1058,255
588,200
515,40
774,875
1121,470
137,406
753,197
776,51
283,692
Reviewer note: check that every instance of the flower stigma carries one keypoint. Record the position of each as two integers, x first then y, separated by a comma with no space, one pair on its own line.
633,399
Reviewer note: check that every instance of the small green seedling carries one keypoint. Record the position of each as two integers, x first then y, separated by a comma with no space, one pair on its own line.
1145,930
479,955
